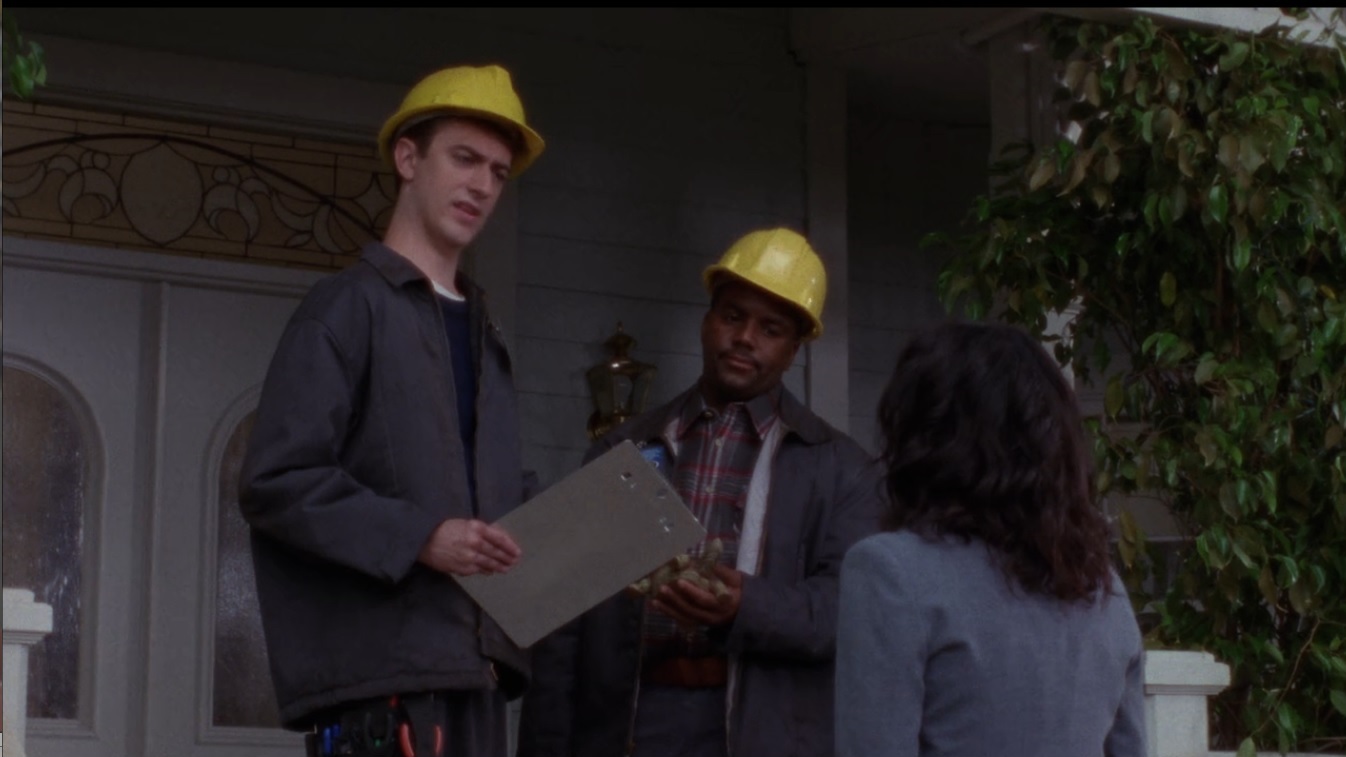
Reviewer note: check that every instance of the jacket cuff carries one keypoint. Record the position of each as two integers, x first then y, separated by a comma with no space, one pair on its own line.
750,615
402,556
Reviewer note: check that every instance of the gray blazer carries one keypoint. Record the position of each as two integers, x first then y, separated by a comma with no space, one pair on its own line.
937,655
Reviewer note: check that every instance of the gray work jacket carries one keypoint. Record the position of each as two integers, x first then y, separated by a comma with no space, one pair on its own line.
824,496
355,458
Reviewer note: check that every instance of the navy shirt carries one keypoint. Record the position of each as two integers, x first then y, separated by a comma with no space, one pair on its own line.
457,325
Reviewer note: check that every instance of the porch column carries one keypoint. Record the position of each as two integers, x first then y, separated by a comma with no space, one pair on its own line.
25,623
1021,84
1021,75
1177,685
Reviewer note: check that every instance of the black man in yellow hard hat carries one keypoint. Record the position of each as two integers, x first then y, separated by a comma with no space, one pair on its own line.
736,659
385,443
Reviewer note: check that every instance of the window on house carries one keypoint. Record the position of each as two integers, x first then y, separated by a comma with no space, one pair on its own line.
243,695
48,488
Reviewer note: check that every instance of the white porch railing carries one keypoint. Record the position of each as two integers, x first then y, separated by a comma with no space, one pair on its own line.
1177,685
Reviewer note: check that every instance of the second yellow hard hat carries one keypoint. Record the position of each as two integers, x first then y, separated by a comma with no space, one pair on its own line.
485,92
783,263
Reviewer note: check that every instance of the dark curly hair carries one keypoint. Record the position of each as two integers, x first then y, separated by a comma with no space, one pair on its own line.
983,440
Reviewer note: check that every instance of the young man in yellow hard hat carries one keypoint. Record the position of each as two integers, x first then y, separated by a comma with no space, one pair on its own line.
385,443
743,665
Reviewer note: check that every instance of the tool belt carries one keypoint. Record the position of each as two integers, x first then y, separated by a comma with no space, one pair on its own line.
687,672
405,726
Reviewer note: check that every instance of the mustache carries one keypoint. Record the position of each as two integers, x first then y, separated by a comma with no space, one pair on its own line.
740,355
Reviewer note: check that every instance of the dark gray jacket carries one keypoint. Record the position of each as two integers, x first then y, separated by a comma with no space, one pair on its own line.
824,497
355,457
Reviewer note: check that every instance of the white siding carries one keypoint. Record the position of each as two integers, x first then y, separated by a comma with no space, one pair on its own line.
670,133
661,152
907,179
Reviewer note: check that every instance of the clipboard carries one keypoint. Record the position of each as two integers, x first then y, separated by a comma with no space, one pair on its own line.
603,527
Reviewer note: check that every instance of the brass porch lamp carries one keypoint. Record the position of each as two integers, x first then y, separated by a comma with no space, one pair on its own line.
619,385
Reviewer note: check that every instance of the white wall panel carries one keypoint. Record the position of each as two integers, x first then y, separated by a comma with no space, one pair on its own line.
907,179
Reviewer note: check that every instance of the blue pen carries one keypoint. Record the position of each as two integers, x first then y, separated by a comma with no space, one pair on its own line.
336,737
327,741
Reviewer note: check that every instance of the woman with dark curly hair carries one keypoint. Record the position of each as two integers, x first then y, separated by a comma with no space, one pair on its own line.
986,619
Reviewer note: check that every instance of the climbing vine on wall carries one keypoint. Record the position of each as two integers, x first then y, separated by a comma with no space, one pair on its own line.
1192,223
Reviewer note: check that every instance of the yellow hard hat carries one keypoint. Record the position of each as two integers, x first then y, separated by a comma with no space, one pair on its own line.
781,262
482,92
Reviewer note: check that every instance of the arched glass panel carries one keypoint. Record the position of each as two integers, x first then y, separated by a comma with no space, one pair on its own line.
243,694
47,488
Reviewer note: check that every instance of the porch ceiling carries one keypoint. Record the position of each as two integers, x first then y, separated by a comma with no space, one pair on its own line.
919,63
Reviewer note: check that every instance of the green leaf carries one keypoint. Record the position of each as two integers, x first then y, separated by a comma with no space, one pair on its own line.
1283,302
1123,244
1247,748
1338,700
1079,169
1173,90
1286,336
1243,253
1205,443
1092,94
1237,55
1130,532
1301,597
1291,569
1169,348
1168,289
1250,158
1273,651
1127,551
1241,553
1266,318
1185,163
1075,71
1177,198
1100,195
1229,151
1206,368
1112,168
1266,582
1044,173
1151,209
1285,718
1114,396
1270,491
1218,203
1229,501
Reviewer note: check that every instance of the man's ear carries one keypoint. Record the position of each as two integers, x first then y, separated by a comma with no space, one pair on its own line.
405,154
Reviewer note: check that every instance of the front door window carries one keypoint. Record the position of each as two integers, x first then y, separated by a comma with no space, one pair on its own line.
47,484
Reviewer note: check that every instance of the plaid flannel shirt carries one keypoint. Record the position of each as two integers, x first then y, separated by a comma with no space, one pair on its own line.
718,450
